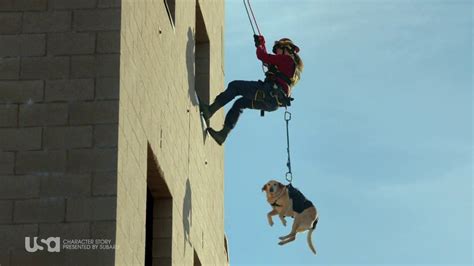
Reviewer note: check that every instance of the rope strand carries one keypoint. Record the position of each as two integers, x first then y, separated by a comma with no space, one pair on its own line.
289,174
254,20
248,15
251,24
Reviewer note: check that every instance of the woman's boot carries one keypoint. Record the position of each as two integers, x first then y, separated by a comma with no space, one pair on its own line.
209,110
219,136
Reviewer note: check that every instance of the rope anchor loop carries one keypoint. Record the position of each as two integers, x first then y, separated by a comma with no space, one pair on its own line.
287,116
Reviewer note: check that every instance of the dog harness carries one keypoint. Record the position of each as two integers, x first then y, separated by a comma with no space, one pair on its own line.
300,203
275,204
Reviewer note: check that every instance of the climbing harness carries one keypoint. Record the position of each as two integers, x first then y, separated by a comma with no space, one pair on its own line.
289,174
273,73
275,96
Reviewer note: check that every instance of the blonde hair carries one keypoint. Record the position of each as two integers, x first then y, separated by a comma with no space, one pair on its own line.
298,68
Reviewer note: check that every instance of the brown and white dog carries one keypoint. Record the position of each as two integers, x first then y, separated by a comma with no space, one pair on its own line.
289,201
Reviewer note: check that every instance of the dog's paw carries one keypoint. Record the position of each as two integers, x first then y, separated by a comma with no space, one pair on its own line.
286,239
270,222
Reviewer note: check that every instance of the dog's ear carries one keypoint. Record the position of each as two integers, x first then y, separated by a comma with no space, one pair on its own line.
264,187
280,185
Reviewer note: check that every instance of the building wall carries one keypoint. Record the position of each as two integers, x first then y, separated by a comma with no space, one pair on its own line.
96,103
159,124
59,73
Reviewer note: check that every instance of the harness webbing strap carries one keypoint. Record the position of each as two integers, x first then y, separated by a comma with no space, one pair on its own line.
274,72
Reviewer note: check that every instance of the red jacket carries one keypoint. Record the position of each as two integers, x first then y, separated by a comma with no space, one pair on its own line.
284,63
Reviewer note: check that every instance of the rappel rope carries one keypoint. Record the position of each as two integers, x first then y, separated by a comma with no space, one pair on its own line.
247,8
251,15
289,174
251,24
251,11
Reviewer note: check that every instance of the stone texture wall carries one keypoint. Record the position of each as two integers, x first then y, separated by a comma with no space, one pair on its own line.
159,118
59,91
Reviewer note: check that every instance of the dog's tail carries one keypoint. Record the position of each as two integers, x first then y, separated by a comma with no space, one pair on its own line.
309,236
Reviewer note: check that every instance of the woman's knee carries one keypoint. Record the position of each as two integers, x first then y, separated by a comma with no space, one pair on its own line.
241,103
233,85
232,89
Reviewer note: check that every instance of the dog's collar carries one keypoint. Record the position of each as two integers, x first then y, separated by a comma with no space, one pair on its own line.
275,204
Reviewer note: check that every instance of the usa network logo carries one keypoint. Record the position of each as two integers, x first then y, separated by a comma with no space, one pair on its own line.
52,243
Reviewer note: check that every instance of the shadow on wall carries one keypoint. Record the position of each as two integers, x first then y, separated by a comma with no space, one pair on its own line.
190,65
190,46
187,214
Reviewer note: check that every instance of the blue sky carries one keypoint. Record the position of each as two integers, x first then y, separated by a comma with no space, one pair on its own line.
381,133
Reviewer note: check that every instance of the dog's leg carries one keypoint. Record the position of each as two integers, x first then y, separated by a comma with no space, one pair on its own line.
292,235
282,218
269,216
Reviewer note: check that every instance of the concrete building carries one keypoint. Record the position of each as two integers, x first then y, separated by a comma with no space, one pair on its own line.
101,141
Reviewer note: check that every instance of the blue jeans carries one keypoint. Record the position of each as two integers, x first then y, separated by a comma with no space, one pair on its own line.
255,95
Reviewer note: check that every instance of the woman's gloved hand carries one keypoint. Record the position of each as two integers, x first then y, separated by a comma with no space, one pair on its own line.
259,40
